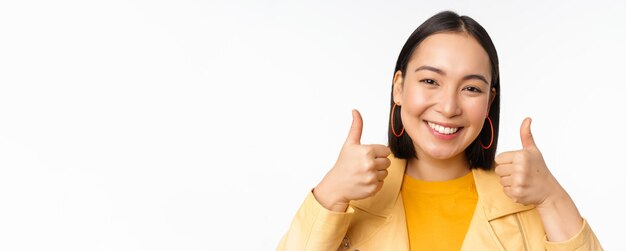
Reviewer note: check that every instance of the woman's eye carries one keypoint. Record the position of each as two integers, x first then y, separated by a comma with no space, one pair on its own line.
473,89
428,81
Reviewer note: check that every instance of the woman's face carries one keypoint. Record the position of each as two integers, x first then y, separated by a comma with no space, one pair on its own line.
445,95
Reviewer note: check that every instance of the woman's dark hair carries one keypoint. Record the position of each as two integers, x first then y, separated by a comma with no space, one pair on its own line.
448,21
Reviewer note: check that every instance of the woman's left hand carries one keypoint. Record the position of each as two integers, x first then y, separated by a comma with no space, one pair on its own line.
524,174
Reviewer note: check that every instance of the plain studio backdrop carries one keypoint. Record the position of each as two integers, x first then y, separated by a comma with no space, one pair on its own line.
193,125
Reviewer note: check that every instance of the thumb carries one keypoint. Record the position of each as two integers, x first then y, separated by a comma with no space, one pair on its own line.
354,136
528,142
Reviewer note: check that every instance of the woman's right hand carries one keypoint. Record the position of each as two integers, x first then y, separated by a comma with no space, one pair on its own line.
358,173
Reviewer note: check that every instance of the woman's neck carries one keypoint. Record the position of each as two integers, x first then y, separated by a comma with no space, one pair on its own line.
429,169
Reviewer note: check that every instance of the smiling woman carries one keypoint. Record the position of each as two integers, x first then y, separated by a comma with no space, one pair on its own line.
453,94
438,185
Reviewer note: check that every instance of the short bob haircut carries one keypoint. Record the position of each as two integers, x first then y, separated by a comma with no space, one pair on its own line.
448,21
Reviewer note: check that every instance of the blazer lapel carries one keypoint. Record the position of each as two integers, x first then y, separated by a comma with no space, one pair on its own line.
494,201
493,204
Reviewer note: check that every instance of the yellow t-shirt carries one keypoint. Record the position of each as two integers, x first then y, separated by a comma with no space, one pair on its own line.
438,214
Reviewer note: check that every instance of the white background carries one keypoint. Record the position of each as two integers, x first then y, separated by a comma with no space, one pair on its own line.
191,125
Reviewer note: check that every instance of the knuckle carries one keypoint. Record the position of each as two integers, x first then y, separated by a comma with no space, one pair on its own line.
371,178
369,164
498,170
383,174
387,162
384,164
367,151
372,189
379,187
362,166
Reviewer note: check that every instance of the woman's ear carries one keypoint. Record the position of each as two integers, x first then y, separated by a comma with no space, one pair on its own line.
398,82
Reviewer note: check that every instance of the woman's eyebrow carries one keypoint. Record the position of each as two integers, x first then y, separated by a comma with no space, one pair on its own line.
441,72
430,68
476,76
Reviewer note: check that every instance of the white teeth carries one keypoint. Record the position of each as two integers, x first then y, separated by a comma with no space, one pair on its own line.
442,129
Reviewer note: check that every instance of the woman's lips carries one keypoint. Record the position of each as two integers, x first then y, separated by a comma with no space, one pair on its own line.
443,131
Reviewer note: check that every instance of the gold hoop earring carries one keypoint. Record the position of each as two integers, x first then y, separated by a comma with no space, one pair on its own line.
491,141
392,127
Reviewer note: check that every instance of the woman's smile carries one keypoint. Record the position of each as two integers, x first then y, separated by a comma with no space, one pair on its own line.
444,131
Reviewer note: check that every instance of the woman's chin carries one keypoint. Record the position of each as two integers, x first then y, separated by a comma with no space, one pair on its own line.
441,154
438,151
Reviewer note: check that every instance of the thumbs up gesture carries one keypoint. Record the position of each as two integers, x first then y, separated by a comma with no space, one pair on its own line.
524,174
358,173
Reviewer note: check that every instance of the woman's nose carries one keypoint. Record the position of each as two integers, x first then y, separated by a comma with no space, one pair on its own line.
448,104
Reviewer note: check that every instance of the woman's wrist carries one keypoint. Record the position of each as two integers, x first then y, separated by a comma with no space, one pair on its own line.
330,200
559,215
555,196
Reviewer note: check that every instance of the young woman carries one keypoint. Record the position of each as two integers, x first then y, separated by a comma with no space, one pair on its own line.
439,185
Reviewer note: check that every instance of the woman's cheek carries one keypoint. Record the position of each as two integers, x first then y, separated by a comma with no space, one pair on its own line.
417,100
477,109
415,109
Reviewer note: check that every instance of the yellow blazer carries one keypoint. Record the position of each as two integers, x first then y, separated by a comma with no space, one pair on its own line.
378,222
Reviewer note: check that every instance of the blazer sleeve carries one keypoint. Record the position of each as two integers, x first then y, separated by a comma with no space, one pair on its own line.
584,240
316,228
